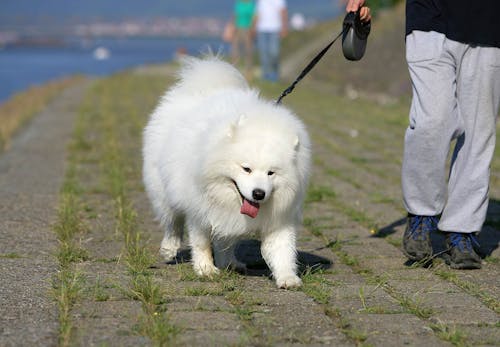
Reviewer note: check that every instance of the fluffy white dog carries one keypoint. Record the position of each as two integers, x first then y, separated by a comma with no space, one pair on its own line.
224,163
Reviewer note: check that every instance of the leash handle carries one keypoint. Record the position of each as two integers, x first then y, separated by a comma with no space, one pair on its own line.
309,66
354,35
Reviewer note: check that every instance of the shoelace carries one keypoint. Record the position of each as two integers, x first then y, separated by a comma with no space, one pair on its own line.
429,224
463,241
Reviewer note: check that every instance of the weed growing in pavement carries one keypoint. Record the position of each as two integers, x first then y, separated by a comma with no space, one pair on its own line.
319,193
105,117
469,287
138,259
68,284
373,309
157,327
66,289
492,260
451,334
99,292
316,286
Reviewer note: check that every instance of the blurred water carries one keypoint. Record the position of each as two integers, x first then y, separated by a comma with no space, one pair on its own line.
21,67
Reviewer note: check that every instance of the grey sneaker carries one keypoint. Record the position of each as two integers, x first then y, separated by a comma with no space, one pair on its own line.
461,254
417,239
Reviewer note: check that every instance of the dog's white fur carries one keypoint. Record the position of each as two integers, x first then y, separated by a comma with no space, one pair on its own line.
206,131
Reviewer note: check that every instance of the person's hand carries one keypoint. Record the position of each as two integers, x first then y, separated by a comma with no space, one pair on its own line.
355,5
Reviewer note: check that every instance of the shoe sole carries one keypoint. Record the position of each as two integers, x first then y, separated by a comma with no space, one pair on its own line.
468,265
465,266
416,258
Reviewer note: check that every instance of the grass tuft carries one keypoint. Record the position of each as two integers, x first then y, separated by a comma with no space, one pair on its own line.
66,289
21,108
451,334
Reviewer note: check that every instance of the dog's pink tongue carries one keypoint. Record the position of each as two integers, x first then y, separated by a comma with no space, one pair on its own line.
249,208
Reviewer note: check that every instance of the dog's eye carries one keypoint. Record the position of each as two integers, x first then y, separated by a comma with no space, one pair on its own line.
270,173
246,169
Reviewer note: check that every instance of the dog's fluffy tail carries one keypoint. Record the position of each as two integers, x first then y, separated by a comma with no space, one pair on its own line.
200,76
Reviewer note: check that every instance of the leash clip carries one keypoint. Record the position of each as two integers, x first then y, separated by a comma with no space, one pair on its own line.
355,36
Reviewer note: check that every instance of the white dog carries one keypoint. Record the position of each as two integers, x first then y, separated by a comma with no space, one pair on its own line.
224,163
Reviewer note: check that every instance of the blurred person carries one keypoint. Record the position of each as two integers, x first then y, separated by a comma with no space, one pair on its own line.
242,43
271,24
453,56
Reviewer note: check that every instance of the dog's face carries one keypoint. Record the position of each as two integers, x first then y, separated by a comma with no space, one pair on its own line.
254,184
256,168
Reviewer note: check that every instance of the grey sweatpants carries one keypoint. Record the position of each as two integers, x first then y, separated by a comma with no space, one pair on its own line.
456,95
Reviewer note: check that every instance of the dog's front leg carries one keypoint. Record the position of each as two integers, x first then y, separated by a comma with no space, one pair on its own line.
201,250
280,254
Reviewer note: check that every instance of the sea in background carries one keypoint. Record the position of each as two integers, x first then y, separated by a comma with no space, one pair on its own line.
24,66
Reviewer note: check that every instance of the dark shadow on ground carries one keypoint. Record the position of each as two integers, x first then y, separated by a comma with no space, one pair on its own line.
489,237
390,228
248,252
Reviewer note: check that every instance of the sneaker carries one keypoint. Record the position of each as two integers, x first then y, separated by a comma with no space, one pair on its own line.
417,239
460,252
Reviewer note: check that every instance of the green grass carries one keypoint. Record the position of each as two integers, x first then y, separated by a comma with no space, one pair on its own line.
22,107
66,289
316,286
68,284
377,309
451,334
118,176
99,292
469,287
319,193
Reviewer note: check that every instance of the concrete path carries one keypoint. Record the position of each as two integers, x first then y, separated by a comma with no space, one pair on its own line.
31,173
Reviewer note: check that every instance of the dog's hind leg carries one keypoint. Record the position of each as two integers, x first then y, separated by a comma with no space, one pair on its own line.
173,225
225,256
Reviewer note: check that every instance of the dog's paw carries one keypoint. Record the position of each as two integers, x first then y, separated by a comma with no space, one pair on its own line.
168,253
169,247
287,282
206,270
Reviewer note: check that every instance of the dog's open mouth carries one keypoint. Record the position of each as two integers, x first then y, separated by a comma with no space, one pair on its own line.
248,207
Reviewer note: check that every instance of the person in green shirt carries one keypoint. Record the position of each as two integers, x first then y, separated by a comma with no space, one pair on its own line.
242,45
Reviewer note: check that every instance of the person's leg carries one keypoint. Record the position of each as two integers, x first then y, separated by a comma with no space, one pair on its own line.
248,52
235,47
262,44
434,122
274,55
478,93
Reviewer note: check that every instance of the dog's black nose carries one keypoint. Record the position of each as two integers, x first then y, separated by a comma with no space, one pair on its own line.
258,194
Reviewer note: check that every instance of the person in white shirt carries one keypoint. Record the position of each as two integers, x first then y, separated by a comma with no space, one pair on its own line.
271,24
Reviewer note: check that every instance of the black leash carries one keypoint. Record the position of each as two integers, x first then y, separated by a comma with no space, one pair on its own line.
354,34
309,67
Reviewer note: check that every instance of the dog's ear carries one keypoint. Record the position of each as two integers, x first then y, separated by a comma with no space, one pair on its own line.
231,132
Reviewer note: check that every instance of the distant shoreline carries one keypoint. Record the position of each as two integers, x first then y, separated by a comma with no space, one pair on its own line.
36,64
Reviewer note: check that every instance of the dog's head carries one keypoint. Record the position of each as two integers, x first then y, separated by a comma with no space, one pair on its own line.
262,164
